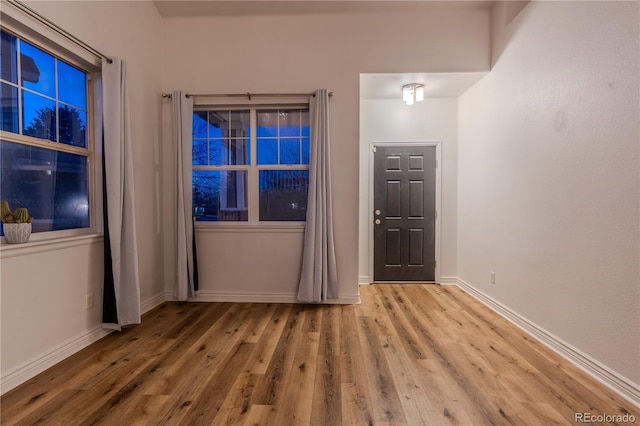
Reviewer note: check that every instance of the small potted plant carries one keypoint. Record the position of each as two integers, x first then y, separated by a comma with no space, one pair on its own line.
17,225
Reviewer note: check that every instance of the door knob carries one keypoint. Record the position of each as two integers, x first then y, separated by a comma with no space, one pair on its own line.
377,221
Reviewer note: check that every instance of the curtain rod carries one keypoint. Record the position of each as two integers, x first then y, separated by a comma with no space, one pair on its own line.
35,15
246,95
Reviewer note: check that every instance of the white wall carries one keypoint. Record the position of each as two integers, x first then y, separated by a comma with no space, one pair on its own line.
299,54
43,305
44,286
549,176
548,180
390,120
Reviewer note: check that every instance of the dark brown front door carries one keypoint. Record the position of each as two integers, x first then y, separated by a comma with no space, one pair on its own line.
404,213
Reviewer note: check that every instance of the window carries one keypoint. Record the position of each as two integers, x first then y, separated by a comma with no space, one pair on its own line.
251,165
44,150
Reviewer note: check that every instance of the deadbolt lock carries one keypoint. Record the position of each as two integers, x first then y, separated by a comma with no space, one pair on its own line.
377,212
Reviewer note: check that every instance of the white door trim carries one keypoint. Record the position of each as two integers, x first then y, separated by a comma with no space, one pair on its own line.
438,145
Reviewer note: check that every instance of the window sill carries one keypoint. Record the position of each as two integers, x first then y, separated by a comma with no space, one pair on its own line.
235,227
47,244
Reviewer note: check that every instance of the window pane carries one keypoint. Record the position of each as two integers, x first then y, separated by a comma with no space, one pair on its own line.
267,151
225,152
200,152
220,195
238,150
72,85
289,123
239,124
39,116
52,185
72,126
267,123
8,58
217,157
283,195
218,123
9,108
290,151
37,69
199,125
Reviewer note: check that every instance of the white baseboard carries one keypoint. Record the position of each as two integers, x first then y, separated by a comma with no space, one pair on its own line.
448,281
614,381
25,371
215,296
152,302
364,280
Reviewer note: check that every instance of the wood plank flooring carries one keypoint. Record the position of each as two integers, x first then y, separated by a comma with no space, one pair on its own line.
410,354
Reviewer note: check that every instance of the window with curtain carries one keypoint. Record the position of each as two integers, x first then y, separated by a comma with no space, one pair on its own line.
45,149
251,165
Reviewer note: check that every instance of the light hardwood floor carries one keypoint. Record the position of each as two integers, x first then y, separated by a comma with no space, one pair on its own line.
410,354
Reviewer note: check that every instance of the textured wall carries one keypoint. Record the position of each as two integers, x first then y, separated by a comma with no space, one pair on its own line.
549,176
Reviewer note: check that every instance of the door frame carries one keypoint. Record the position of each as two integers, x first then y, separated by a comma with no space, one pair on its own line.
370,217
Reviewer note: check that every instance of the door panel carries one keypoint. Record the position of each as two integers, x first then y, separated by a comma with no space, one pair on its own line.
393,247
416,199
404,195
393,199
416,247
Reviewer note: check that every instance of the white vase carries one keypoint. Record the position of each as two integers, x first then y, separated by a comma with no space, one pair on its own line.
15,233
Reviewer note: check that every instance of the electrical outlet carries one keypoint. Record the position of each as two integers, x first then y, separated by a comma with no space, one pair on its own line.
493,277
88,303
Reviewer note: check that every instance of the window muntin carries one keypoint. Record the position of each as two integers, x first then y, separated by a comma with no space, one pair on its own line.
45,157
230,184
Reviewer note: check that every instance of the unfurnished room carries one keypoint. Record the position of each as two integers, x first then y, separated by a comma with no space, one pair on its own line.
320,212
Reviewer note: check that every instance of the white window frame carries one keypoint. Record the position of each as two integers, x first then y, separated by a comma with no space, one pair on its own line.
27,29
253,168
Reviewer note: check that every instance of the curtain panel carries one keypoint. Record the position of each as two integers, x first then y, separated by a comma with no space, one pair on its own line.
186,266
121,301
319,277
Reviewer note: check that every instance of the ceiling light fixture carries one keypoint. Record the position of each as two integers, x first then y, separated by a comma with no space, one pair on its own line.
413,92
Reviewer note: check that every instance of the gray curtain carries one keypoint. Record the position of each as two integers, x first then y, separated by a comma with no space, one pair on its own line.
319,278
186,285
122,282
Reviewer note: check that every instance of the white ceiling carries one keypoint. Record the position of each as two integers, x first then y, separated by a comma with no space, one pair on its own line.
436,85
190,8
